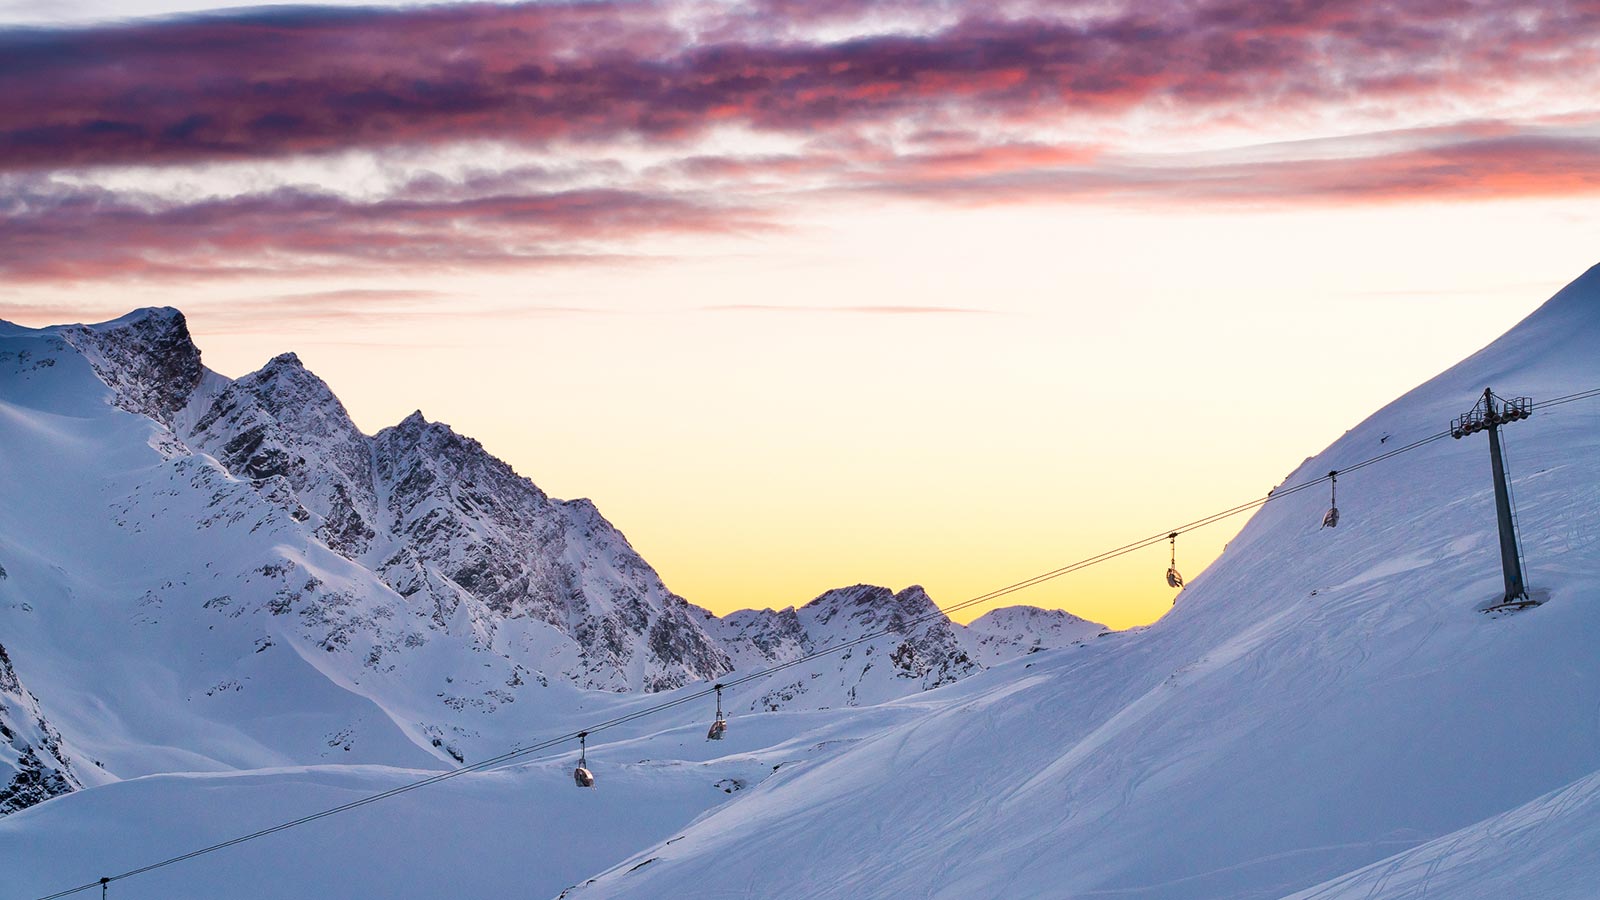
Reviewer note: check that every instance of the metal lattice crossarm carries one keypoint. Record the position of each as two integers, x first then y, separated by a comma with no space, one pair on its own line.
1485,414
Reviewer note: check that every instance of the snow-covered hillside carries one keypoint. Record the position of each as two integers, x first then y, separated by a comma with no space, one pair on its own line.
206,574
1318,701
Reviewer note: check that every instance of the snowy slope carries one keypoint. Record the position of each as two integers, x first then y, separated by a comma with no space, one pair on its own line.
520,830
1319,700
1544,848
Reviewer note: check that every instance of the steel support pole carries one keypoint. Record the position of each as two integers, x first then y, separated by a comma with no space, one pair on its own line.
1510,561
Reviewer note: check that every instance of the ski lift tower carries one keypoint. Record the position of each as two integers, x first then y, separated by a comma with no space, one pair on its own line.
1488,416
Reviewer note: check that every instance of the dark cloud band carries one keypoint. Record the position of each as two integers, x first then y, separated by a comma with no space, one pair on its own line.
272,83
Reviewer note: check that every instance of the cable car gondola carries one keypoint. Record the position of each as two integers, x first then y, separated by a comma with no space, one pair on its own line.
720,726
581,775
1173,578
1331,520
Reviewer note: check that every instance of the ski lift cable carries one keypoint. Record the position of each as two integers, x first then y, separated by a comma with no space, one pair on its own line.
1570,398
520,752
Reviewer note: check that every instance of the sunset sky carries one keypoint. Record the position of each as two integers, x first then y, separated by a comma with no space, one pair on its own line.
805,293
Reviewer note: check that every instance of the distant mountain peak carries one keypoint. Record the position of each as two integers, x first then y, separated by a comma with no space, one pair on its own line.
286,380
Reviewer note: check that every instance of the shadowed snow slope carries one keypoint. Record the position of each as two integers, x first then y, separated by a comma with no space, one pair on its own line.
1317,701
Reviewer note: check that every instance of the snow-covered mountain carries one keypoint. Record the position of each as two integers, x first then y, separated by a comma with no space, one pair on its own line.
1003,634
213,574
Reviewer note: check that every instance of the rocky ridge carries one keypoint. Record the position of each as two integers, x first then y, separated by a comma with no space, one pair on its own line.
30,749
919,647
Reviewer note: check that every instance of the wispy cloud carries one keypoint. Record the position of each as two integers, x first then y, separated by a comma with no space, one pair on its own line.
1454,167
66,233
329,316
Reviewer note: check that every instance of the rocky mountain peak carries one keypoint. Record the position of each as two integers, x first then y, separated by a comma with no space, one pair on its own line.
871,605
282,420
1007,616
415,433
147,358
147,316
290,391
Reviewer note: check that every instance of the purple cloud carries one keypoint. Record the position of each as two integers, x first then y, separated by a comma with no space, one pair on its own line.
268,83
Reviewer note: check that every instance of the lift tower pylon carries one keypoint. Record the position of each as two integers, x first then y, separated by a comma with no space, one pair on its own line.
1486,416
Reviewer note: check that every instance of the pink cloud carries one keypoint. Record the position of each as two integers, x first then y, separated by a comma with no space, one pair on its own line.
69,234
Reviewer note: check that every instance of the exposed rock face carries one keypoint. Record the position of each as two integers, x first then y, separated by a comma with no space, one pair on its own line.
146,357
461,512
928,650
756,636
284,421
899,643
30,749
912,647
